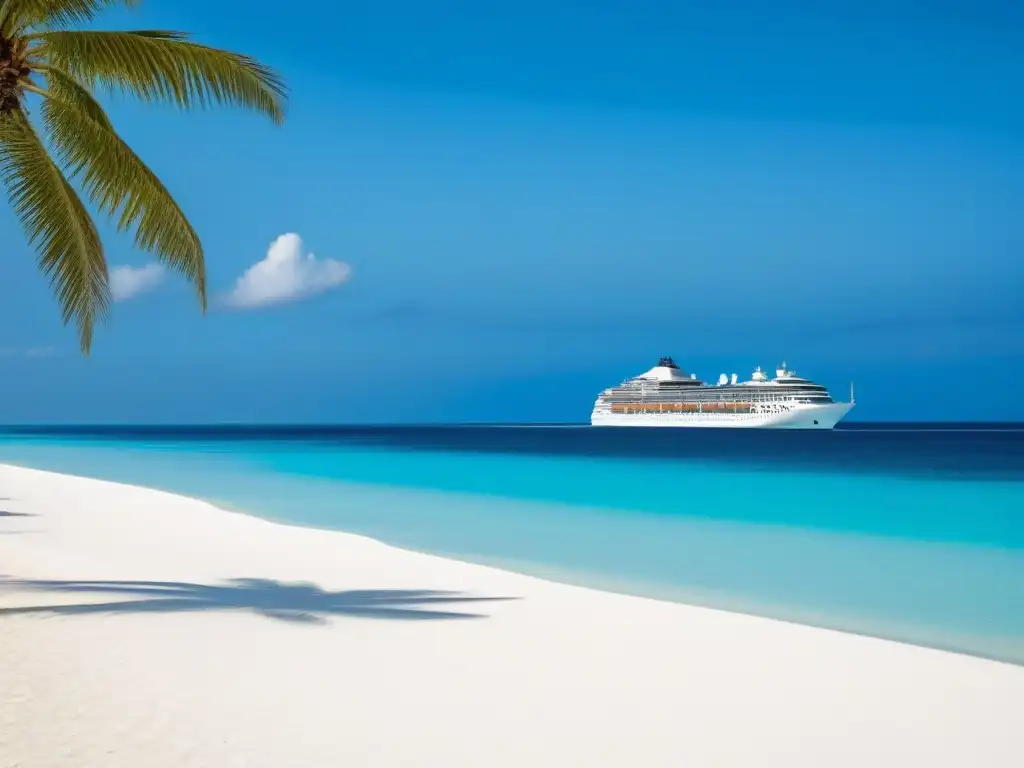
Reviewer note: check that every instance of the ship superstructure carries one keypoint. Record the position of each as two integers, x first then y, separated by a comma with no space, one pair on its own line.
666,396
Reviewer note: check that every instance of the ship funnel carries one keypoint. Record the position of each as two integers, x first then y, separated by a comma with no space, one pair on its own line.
735,378
723,380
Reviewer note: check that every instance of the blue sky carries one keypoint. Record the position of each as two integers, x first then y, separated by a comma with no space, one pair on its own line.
536,200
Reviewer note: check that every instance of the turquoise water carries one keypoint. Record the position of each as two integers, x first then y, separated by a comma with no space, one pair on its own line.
916,535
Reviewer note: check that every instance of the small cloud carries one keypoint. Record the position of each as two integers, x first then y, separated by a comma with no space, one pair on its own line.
42,352
127,281
38,351
286,275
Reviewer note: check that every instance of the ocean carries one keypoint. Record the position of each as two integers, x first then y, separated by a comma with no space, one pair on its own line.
908,532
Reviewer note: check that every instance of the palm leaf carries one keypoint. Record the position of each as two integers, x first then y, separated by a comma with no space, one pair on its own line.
116,180
165,66
21,14
56,223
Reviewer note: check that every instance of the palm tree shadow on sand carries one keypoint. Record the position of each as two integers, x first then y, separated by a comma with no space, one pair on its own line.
298,602
4,514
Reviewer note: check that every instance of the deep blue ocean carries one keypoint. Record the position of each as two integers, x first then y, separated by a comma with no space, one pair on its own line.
911,532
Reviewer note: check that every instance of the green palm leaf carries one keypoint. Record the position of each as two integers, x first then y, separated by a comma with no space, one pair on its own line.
116,181
20,14
165,66
151,65
56,223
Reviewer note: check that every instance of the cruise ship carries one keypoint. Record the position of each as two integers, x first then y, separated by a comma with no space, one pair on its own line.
665,396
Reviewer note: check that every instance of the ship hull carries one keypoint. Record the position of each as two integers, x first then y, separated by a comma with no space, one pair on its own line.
799,417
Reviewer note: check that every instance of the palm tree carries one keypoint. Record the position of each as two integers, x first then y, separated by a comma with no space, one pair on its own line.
44,59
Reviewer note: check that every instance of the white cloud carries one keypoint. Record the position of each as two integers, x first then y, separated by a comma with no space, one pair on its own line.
41,352
127,281
286,275
38,351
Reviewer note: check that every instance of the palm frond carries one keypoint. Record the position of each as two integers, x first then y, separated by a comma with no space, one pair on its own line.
56,223
116,180
21,14
157,65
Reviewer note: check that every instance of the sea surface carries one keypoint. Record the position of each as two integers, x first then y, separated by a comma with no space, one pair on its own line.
909,532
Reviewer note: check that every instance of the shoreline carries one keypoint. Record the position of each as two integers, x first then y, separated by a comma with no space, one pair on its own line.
863,625
265,671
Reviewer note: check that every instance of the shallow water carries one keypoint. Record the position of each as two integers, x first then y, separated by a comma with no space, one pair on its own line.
909,532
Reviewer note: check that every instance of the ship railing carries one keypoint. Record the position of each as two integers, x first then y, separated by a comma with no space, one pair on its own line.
647,408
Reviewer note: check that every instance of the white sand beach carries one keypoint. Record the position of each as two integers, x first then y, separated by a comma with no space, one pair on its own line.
178,634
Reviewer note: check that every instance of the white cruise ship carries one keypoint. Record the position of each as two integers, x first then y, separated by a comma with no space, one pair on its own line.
667,397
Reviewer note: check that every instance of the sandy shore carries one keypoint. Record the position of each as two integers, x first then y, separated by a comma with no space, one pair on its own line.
139,628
